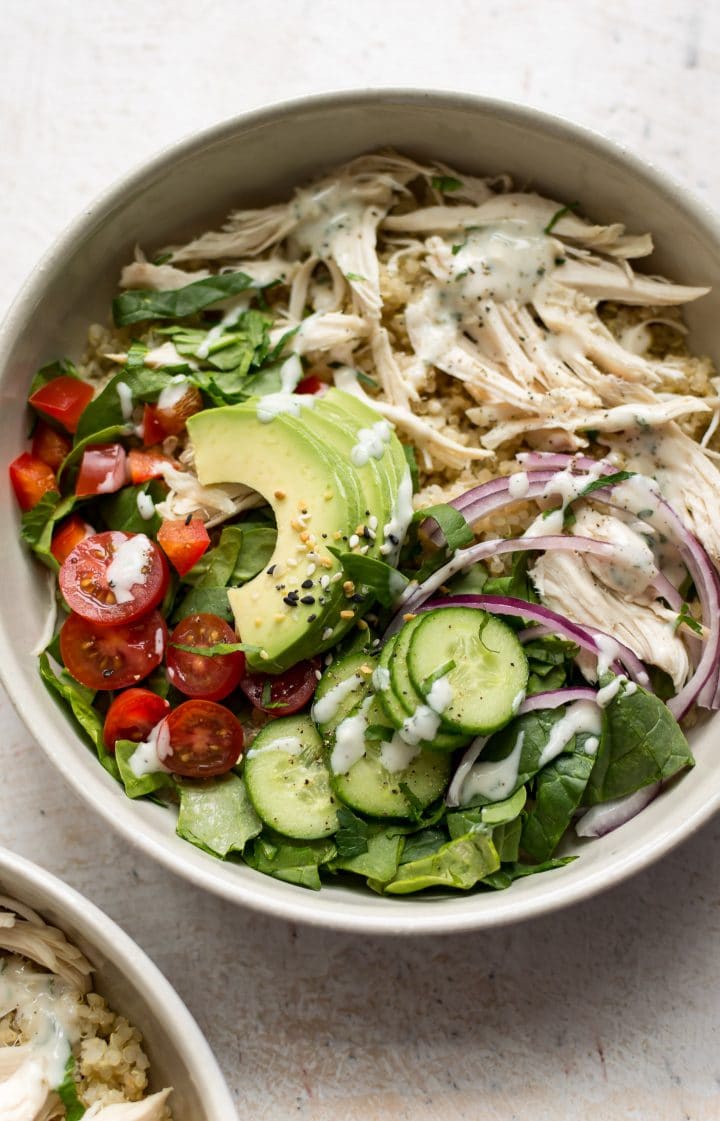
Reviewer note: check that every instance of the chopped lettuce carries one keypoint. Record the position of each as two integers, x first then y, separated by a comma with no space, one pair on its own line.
217,815
137,787
137,305
460,864
79,701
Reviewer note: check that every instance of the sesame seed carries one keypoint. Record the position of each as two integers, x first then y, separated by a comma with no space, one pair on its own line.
318,675
364,550
307,600
324,580
348,587
335,577
311,618
347,614
280,494
373,522
264,655
327,633
354,540
326,563
311,569
307,584
409,616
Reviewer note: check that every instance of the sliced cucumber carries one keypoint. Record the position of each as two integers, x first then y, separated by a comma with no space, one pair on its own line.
490,670
341,688
403,687
382,683
288,781
371,789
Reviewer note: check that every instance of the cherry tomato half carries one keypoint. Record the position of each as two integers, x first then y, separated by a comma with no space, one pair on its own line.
205,739
147,464
103,469
72,531
49,445
197,675
132,716
64,399
112,657
281,694
114,577
31,479
183,542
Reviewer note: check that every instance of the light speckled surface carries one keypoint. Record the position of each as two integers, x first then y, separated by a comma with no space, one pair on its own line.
605,1011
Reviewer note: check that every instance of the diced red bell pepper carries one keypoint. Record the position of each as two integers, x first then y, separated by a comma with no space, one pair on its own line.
71,532
183,542
311,384
153,431
146,465
64,399
103,469
31,479
49,445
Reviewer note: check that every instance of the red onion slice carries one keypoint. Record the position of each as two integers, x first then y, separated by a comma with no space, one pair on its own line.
606,816
555,698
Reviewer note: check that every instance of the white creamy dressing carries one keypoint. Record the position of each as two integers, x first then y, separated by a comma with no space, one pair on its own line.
173,392
567,486
124,392
291,373
402,513
611,690
421,725
350,740
518,484
381,678
397,754
583,716
46,1012
327,707
291,745
145,505
494,781
129,566
275,404
500,262
147,759
633,568
229,319
608,652
329,219
371,442
440,696
591,745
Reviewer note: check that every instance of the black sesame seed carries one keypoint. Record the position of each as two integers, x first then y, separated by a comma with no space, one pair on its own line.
188,519
311,618
271,569
291,599
309,600
279,587
306,584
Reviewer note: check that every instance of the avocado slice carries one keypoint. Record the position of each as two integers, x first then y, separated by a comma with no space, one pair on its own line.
295,471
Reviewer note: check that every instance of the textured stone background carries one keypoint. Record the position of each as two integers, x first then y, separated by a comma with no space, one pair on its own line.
602,1012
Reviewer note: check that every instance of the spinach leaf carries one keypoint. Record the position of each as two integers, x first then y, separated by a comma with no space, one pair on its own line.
137,305
137,787
200,601
506,838
68,1093
425,842
517,583
78,700
296,862
384,582
508,873
380,858
641,743
258,545
535,728
38,524
120,510
216,566
217,815
459,864
453,525
550,662
470,582
104,411
351,836
558,793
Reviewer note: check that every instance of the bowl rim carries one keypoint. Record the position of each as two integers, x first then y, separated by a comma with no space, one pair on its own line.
263,893
105,935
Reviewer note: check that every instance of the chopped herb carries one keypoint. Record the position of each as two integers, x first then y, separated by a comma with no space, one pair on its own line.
446,183
560,214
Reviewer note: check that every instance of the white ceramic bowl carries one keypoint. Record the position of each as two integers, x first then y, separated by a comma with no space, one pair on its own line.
257,159
134,987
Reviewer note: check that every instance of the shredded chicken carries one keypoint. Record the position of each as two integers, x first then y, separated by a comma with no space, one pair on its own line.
151,1108
566,584
22,931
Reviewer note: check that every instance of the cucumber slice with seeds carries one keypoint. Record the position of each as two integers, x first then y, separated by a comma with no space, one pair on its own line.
404,689
288,781
371,789
341,688
490,671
